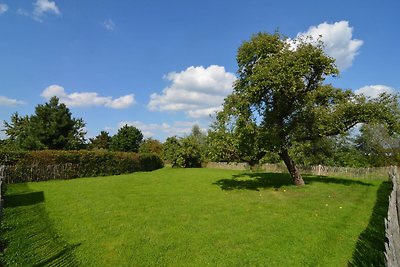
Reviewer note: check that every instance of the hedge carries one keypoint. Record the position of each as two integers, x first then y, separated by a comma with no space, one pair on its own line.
26,166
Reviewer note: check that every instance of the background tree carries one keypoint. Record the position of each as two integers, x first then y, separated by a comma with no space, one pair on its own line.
51,127
170,148
378,146
280,94
18,132
184,152
151,146
331,151
189,154
234,142
101,141
198,135
127,139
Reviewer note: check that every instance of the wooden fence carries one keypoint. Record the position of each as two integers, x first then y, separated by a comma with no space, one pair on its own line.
392,223
1,187
379,172
227,165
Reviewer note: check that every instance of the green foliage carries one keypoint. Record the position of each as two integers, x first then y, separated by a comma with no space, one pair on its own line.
234,143
187,152
170,147
221,145
184,152
379,146
151,146
279,100
330,151
43,165
101,141
51,127
150,162
195,217
128,139
198,135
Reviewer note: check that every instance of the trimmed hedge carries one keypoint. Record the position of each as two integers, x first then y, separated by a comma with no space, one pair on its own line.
26,166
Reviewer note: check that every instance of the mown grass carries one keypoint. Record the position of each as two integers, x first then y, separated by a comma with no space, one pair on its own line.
194,217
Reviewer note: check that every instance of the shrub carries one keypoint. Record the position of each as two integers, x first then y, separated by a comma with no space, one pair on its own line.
51,164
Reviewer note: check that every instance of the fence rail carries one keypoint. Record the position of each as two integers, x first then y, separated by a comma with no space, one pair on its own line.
392,223
378,172
1,187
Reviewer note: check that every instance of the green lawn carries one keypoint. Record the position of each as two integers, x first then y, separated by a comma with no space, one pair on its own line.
195,217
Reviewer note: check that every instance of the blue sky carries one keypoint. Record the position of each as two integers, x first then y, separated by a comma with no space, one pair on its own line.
163,66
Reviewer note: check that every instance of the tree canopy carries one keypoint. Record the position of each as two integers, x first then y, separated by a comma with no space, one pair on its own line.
128,139
280,100
101,141
51,127
187,152
151,145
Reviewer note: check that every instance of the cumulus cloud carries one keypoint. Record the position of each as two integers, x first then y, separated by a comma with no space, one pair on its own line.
338,41
178,128
373,91
86,99
5,101
109,25
197,91
3,8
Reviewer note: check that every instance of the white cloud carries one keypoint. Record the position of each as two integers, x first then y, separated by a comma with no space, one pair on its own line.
197,91
45,6
5,101
3,8
337,38
86,99
40,9
109,25
373,91
23,12
179,128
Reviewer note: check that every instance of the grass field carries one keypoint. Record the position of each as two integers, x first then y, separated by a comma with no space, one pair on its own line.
195,217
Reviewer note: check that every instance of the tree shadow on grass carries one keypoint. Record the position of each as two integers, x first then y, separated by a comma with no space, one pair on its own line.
28,235
257,181
370,246
24,199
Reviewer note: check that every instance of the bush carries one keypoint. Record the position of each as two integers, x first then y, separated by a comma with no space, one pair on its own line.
185,152
51,164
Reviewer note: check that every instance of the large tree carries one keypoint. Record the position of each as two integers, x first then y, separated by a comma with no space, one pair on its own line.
280,100
51,127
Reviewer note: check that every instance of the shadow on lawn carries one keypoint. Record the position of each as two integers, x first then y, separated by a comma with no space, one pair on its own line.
24,199
256,181
371,242
28,236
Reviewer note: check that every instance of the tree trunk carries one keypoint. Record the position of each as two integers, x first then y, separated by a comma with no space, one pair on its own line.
291,166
